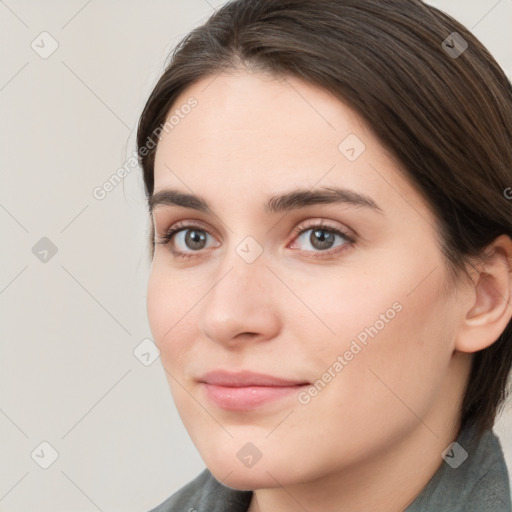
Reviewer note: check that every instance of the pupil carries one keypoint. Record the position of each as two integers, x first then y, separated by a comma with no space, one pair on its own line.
321,239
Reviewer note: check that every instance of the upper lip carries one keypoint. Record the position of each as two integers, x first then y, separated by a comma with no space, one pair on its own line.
246,378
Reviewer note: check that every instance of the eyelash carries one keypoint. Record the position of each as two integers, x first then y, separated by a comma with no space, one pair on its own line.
166,239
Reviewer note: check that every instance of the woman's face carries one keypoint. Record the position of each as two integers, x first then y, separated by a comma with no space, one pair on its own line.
307,258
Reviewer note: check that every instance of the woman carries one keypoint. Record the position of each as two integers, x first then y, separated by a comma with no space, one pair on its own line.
331,257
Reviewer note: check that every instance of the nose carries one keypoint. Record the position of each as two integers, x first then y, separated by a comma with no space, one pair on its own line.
241,305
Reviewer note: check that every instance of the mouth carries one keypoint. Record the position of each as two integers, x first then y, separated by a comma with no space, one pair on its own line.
244,391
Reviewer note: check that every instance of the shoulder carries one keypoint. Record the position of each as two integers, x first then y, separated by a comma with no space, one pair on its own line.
206,494
476,480
491,488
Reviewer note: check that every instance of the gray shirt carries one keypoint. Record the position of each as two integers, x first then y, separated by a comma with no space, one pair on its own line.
472,478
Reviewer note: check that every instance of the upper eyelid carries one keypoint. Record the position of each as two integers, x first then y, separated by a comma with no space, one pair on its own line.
304,224
306,213
186,224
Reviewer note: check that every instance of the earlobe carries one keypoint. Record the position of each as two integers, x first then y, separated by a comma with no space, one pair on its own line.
490,310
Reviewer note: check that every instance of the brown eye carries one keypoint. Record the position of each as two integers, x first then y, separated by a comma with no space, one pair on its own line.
184,240
194,239
319,239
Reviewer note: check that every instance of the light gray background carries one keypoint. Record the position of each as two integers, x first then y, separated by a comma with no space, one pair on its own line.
69,326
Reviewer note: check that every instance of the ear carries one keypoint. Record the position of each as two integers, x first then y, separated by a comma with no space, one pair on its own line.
490,306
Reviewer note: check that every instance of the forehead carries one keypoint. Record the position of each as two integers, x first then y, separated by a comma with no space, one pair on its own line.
250,132
260,116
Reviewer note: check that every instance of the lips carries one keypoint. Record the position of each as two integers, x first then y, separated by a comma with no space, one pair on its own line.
243,379
246,390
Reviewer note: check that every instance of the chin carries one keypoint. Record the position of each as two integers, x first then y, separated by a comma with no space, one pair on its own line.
246,479
272,470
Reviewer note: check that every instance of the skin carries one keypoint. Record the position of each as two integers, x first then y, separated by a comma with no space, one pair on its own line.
373,436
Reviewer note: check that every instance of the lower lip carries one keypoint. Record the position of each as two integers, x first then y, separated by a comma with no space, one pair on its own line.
247,398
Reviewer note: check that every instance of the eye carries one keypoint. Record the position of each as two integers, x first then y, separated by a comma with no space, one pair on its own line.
185,239
194,239
321,238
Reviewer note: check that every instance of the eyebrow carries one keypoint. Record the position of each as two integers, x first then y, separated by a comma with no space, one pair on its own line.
288,201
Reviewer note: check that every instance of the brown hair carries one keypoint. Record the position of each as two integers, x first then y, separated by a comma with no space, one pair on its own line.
446,118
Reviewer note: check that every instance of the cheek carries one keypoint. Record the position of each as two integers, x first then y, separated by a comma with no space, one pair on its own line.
395,339
168,301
